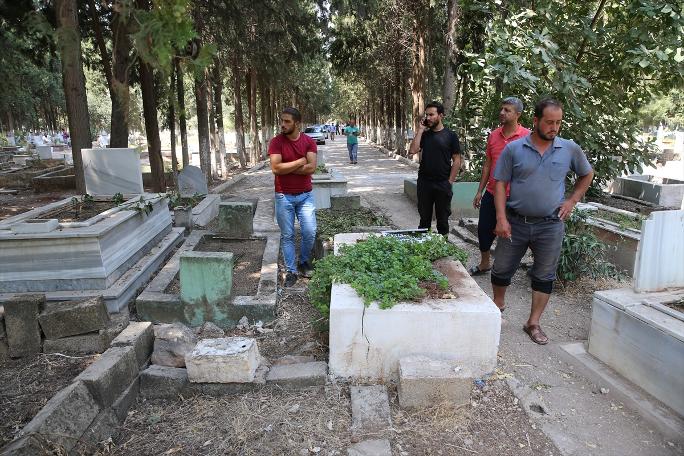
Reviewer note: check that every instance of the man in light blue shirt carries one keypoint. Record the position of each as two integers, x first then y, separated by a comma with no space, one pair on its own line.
533,215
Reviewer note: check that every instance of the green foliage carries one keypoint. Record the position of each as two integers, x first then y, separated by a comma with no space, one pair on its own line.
321,169
3,140
332,222
622,220
87,200
582,253
118,198
143,206
382,269
175,199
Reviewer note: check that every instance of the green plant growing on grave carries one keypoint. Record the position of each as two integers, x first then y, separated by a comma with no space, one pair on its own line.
332,222
3,140
176,199
622,220
118,199
321,169
143,206
582,253
382,269
87,200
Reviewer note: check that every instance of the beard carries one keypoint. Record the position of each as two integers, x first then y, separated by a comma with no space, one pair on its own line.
287,131
537,130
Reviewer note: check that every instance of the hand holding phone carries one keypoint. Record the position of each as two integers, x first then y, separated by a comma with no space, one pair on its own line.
424,122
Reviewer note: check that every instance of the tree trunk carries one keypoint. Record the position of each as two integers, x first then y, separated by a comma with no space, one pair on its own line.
239,119
120,87
264,100
448,87
251,106
182,123
418,67
213,138
203,123
172,126
218,113
152,127
73,81
398,132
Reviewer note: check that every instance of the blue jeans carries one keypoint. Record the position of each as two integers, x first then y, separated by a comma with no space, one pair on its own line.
353,151
286,207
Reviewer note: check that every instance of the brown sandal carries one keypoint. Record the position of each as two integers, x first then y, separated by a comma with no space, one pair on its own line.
536,334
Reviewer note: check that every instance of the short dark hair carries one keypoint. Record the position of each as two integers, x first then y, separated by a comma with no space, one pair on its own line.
294,112
545,103
436,104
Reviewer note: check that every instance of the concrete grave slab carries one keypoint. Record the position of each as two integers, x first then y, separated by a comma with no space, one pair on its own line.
92,342
104,425
21,324
373,447
426,382
191,181
70,318
660,255
298,375
140,336
35,226
327,186
124,402
345,202
236,219
162,381
110,375
370,409
224,360
112,170
206,279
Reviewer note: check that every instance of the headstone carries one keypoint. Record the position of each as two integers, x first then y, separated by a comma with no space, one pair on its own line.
21,324
372,447
191,180
425,382
370,409
171,343
112,171
345,202
236,219
225,360
44,152
660,252
206,279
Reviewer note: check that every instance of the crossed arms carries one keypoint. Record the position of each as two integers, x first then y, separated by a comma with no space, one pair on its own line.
303,165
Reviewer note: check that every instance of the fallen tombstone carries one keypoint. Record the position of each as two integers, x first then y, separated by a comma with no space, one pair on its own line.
171,343
224,360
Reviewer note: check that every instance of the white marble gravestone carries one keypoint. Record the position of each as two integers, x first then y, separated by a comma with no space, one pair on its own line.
660,255
111,171
191,180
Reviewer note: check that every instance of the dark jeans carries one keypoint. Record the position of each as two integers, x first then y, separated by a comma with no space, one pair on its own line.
487,222
437,194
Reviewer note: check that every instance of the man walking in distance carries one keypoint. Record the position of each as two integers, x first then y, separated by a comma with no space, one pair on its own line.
351,131
509,131
535,167
293,161
440,161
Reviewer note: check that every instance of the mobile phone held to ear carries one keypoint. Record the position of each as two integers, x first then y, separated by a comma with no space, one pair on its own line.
424,121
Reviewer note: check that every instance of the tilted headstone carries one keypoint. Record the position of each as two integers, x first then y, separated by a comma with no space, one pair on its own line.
112,171
191,180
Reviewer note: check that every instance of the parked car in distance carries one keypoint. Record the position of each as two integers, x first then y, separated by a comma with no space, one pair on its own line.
316,133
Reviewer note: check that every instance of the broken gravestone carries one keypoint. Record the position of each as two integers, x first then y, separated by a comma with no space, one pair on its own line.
171,343
191,180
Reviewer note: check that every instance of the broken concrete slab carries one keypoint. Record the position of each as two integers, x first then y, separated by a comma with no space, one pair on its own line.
110,375
425,382
65,417
28,445
374,447
140,336
86,344
300,375
171,343
124,402
293,359
370,409
70,318
21,324
162,381
209,330
224,360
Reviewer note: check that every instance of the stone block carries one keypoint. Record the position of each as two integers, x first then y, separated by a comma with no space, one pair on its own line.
85,344
65,417
172,342
370,409
206,279
345,202
374,447
110,375
124,402
111,171
140,336
225,360
182,217
104,425
425,382
210,331
464,329
35,226
191,181
21,324
28,445
162,381
72,318
236,219
300,375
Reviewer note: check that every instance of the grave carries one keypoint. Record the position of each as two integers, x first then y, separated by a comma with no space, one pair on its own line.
200,214
326,185
44,152
461,201
236,219
661,191
109,253
191,181
639,331
368,342
22,176
112,170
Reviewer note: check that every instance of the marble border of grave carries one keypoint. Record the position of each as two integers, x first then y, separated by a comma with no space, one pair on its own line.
23,176
366,342
668,193
642,339
90,255
205,211
326,185
155,305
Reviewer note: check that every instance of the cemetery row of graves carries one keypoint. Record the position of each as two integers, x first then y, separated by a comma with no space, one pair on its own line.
131,298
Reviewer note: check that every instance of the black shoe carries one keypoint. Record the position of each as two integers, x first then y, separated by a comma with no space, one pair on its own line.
290,279
306,270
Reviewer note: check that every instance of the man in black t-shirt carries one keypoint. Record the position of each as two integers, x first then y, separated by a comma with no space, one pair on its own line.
440,160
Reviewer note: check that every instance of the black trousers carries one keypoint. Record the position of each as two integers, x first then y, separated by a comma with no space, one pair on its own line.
437,194
487,222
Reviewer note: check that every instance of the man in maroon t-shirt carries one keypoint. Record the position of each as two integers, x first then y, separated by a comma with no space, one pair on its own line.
293,161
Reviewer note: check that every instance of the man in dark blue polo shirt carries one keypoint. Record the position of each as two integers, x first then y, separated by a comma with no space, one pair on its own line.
536,167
